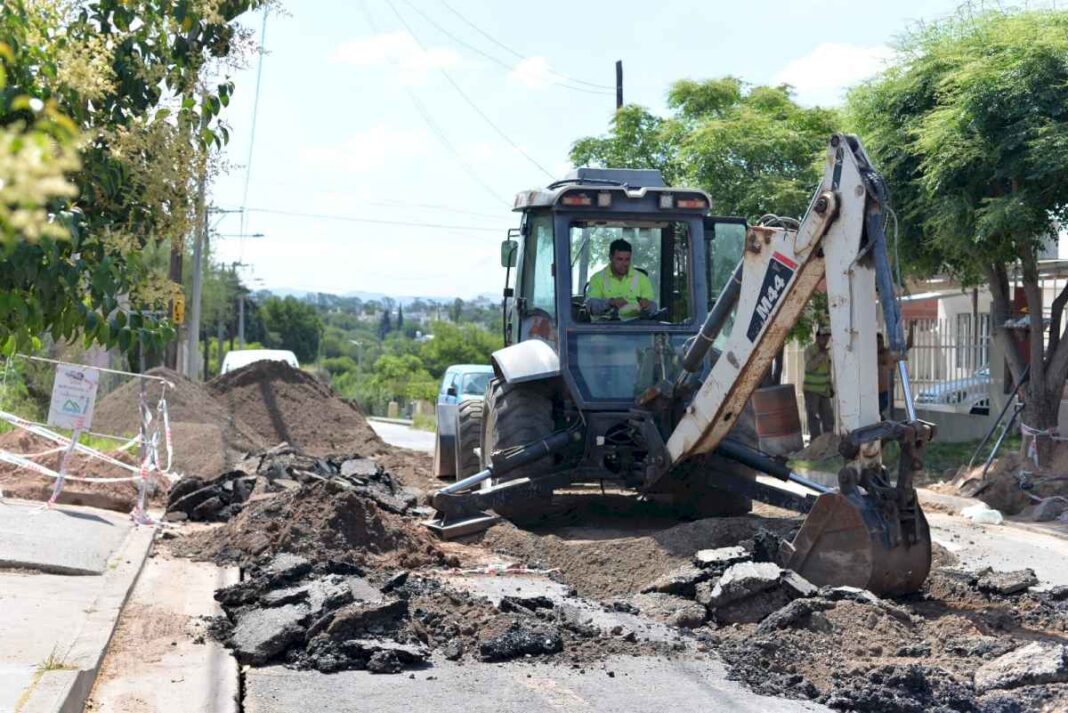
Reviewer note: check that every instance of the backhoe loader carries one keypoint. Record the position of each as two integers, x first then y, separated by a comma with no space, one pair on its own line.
659,402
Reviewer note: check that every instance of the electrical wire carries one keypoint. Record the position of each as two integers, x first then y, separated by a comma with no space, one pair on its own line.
511,51
435,128
493,59
252,135
466,98
375,221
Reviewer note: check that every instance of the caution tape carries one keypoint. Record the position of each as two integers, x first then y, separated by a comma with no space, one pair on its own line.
23,462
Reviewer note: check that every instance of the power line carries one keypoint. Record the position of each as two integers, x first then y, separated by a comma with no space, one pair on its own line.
470,102
511,51
435,128
490,57
376,221
252,131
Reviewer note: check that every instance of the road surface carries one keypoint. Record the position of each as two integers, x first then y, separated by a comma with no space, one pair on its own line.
402,436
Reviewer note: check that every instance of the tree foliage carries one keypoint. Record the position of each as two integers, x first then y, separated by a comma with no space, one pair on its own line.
458,344
292,324
752,148
970,128
102,123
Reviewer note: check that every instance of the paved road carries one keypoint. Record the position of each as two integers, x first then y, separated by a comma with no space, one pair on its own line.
404,436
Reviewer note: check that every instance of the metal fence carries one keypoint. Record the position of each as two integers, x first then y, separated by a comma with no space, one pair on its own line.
949,364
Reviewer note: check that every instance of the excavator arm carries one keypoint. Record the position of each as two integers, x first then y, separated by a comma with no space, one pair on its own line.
871,533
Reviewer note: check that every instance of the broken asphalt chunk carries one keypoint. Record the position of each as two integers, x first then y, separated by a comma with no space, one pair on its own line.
1006,583
1039,662
260,635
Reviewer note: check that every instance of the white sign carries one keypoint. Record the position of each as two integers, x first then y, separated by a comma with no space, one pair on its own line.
73,397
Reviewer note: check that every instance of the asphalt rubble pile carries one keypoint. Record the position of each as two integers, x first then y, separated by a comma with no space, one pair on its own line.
279,469
332,616
971,641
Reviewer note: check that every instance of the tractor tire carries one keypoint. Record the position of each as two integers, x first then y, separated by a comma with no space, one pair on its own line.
692,493
517,415
468,437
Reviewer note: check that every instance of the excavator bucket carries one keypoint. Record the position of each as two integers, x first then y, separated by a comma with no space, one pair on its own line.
854,539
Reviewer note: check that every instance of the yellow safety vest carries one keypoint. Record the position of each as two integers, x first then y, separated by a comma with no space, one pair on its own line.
631,287
817,376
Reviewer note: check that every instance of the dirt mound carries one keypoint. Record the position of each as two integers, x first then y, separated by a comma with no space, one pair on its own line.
638,545
286,404
1013,484
321,521
918,653
822,447
21,483
206,438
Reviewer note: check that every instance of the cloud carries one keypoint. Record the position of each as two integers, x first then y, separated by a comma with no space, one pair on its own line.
398,49
823,75
532,73
370,150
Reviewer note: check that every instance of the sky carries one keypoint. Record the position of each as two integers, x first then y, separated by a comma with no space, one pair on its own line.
390,136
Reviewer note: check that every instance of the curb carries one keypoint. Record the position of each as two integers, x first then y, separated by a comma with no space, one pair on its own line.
397,421
67,690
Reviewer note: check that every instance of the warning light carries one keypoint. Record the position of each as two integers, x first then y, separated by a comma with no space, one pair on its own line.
576,199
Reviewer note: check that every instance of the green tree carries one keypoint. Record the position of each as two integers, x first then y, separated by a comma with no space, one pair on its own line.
458,344
294,325
102,120
970,128
753,149
385,325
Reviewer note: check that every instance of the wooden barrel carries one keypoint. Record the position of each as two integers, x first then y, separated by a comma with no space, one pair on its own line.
778,422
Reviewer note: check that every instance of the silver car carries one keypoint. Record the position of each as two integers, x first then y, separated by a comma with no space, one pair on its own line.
970,394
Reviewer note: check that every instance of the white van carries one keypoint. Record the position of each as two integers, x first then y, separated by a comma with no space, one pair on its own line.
235,360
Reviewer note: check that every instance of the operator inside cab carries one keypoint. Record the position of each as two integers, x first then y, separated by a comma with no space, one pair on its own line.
620,288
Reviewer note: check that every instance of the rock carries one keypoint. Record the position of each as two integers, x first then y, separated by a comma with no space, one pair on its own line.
453,650
519,640
384,662
397,580
262,634
720,558
175,516
364,591
207,510
361,468
921,650
766,545
799,614
1059,593
1049,509
703,592
798,584
287,595
360,617
690,616
682,581
1036,663
286,567
1006,583
670,609
748,592
846,593
524,605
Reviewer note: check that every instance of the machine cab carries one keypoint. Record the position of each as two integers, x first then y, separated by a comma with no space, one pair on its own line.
680,259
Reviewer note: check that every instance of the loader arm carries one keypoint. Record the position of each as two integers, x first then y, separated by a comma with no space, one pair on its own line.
871,532
780,270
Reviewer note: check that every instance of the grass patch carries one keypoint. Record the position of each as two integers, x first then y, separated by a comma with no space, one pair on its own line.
425,422
940,457
53,663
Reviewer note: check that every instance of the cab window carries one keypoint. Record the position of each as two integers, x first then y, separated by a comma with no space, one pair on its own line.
660,249
538,288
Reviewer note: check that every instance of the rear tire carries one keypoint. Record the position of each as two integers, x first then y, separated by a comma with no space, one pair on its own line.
468,436
517,415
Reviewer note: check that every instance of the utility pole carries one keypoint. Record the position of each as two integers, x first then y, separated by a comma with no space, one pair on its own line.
619,84
193,337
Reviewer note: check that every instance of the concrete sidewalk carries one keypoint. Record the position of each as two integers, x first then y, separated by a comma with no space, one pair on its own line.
64,577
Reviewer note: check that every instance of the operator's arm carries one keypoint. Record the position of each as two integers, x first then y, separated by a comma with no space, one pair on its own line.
596,302
645,294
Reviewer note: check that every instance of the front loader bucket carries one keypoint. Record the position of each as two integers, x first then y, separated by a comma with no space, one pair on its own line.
851,539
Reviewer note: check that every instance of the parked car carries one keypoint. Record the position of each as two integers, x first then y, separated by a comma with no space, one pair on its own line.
970,394
243,357
464,381
459,398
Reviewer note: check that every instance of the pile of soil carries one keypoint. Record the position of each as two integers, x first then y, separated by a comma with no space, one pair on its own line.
205,437
285,404
917,653
321,521
121,496
1013,484
822,447
647,544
